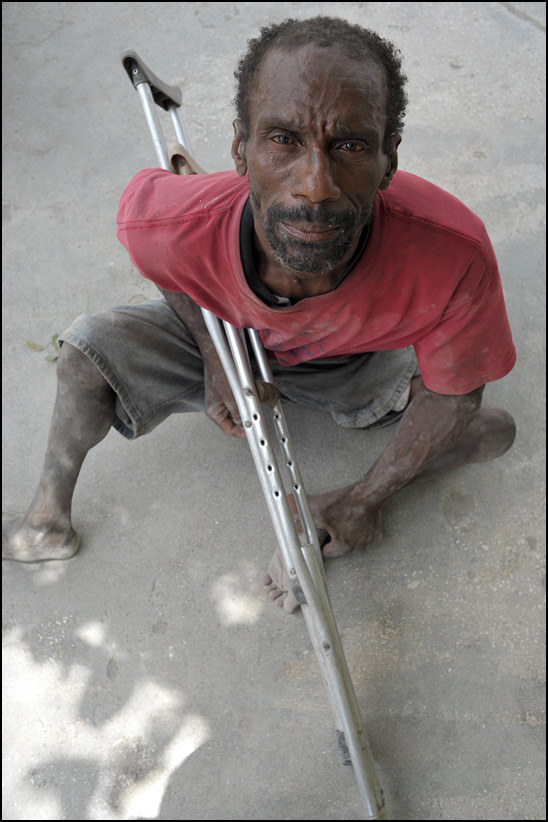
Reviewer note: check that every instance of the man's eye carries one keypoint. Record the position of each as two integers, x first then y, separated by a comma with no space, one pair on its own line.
350,145
281,139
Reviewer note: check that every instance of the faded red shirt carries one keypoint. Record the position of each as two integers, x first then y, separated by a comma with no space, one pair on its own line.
428,276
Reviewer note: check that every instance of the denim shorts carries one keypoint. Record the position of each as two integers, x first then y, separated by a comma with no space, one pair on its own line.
151,361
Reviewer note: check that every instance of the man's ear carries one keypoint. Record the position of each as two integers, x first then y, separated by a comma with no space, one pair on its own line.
391,165
238,147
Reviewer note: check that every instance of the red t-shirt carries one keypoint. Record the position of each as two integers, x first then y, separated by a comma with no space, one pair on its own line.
428,276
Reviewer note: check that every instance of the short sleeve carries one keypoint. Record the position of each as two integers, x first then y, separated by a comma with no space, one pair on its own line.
472,344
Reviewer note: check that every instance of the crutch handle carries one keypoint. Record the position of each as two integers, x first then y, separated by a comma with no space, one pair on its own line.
138,71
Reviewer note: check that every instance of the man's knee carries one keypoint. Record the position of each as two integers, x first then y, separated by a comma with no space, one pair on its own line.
498,430
75,368
508,429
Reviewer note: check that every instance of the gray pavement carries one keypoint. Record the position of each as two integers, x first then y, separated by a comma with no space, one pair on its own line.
147,677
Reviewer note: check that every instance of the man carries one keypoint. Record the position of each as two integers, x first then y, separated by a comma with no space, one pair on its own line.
376,293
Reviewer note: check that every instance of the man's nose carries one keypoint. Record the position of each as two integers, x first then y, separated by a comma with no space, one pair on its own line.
315,178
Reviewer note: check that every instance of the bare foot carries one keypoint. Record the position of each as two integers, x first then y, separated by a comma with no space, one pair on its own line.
23,543
276,582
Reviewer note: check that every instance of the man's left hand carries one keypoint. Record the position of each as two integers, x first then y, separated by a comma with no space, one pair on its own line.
352,524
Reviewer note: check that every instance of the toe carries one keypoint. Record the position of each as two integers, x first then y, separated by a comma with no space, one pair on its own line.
290,604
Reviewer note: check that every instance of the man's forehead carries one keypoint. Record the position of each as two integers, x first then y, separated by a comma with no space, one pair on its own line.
314,76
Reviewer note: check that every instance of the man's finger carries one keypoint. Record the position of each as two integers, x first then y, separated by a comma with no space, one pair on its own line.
228,422
228,425
234,430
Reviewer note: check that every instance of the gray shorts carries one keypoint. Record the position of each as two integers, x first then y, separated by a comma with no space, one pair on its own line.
150,359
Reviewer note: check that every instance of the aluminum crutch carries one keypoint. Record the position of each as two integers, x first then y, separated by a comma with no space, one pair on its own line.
302,557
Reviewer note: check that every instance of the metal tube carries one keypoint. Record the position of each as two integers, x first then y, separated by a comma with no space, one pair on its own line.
154,125
286,445
179,127
238,370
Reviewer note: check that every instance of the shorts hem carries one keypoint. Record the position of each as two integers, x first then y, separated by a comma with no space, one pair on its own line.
138,424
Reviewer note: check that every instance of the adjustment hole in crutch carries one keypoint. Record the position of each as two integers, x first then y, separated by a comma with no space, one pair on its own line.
269,468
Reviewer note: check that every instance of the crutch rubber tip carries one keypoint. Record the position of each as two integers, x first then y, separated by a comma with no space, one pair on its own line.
343,749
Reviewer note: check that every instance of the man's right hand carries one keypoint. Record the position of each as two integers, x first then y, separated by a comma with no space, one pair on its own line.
220,405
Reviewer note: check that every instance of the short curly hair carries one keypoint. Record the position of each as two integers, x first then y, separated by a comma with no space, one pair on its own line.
355,41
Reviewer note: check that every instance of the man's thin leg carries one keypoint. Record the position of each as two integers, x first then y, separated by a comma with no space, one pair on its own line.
82,417
490,435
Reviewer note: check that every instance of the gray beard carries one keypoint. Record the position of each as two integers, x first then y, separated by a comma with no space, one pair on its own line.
313,258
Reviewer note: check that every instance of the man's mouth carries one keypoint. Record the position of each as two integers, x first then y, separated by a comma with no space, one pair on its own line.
310,232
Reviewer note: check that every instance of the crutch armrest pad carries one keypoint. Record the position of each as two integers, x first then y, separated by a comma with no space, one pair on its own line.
139,72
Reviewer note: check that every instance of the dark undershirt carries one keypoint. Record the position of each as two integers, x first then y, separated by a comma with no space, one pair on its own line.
250,271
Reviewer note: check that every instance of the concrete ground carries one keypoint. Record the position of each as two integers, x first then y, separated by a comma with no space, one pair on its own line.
147,677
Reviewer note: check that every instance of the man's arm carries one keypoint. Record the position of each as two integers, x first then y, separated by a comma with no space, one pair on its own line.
220,405
431,424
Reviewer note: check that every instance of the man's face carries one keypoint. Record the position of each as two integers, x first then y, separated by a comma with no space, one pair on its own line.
315,156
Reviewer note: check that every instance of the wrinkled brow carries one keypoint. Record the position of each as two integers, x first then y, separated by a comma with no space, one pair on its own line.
342,132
